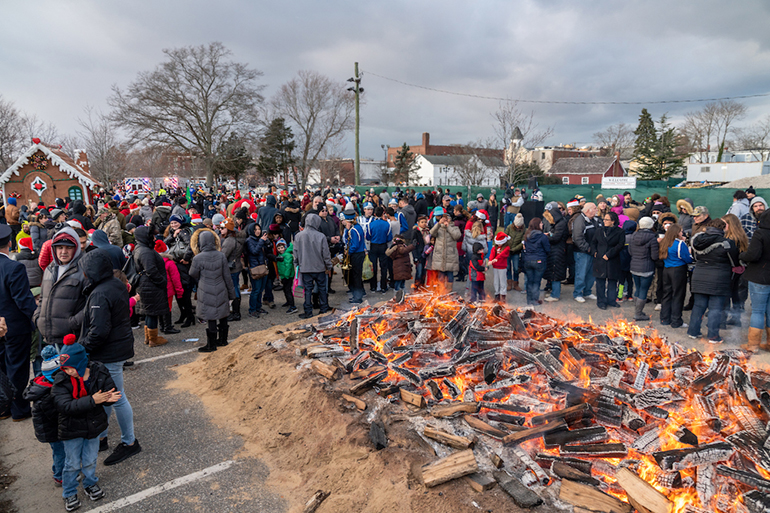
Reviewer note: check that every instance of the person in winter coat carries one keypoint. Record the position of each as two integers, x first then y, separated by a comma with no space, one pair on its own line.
685,209
285,263
676,256
145,211
738,293
81,390
556,270
12,214
45,418
606,247
78,214
111,226
108,338
584,226
476,271
644,250
740,206
61,306
626,286
758,275
498,259
515,233
313,262
715,256
29,258
402,265
420,241
750,221
536,249
161,218
152,284
215,287
266,213
444,258
257,250
174,287
233,242
177,238
117,258
475,231
37,231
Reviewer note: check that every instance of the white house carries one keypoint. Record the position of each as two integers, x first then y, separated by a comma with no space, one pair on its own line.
449,170
725,171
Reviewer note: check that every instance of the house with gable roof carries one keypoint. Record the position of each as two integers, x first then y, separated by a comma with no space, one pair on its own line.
44,173
586,170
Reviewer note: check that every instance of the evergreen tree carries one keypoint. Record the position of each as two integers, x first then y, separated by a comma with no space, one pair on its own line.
276,148
232,158
655,149
405,166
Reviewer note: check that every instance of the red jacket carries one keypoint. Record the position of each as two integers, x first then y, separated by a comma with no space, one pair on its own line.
173,280
501,255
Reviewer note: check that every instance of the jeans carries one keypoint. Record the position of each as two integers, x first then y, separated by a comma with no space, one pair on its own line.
513,267
534,271
319,279
642,286
556,289
672,301
58,459
379,261
235,277
447,276
715,306
419,273
584,274
255,299
606,292
151,321
760,305
477,291
267,295
123,410
80,456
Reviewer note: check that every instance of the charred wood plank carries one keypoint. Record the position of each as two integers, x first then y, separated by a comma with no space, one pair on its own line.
653,397
518,326
435,391
750,445
454,390
377,435
437,372
546,460
413,378
454,441
516,408
368,383
528,434
452,409
574,412
504,417
565,471
365,373
459,464
743,385
522,496
412,398
483,427
742,476
756,501
680,459
587,435
613,450
705,483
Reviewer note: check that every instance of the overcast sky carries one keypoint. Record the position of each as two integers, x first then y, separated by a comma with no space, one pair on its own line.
58,56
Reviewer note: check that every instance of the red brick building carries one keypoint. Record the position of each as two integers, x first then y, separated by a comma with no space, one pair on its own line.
426,148
46,173
586,171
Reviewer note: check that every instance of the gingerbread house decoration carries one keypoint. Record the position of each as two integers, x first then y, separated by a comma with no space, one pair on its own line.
44,173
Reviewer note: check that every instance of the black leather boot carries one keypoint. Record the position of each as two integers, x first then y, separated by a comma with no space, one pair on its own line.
211,342
236,315
223,332
168,328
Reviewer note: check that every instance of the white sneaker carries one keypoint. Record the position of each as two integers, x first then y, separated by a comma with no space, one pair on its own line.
591,296
684,325
658,307
580,299
551,299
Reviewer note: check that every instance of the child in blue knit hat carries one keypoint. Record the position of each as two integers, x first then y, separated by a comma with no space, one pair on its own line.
45,418
80,391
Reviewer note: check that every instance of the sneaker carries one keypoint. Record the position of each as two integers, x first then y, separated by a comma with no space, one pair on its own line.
658,307
551,299
591,297
580,299
717,340
291,310
693,337
270,304
254,314
57,482
94,492
72,502
135,327
123,452
103,445
262,311
305,315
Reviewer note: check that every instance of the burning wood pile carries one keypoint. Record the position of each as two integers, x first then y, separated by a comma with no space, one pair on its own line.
613,417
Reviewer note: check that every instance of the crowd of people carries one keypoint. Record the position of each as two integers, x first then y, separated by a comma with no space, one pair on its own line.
76,279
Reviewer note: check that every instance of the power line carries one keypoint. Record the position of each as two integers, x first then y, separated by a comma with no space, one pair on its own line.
557,102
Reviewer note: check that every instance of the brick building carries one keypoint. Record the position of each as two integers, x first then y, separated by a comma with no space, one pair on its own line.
428,149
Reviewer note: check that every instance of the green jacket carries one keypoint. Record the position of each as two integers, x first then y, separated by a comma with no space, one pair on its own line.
286,268
516,236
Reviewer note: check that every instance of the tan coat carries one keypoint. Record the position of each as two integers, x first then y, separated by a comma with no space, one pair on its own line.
445,257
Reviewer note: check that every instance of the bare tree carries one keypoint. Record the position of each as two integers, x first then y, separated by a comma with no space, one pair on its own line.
193,101
11,133
319,110
470,170
728,112
106,154
509,116
616,138
46,132
709,128
756,139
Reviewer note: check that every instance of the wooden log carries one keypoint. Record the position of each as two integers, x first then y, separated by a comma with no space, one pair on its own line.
756,501
518,326
480,425
743,476
412,398
504,417
355,400
377,435
454,441
516,408
365,373
452,409
573,412
354,334
456,465
331,373
616,450
312,504
522,496
528,434
565,471
263,351
705,485
526,459
435,391
591,499
641,494
481,482
546,460
680,459
585,436
496,460
368,383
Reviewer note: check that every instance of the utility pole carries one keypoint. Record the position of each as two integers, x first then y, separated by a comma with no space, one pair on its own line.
357,89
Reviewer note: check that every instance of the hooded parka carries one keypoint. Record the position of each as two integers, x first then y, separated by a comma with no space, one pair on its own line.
149,264
209,268
714,256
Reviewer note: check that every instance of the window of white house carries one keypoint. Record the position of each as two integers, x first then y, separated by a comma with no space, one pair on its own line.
705,169
584,180
542,156
565,180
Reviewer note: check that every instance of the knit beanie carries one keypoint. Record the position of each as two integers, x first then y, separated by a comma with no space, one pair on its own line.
518,221
73,355
646,223
176,218
50,362
218,218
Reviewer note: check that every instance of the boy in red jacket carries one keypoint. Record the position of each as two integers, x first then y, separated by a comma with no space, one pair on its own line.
498,259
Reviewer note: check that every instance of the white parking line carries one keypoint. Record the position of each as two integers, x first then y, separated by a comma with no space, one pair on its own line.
155,490
169,355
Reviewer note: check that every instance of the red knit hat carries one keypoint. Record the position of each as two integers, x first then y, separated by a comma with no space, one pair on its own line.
160,246
26,242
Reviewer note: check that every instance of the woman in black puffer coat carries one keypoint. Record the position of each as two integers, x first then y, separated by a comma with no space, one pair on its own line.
758,275
606,246
556,271
643,249
152,284
715,256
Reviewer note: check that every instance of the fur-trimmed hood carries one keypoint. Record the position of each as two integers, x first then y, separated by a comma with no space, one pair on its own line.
195,240
684,204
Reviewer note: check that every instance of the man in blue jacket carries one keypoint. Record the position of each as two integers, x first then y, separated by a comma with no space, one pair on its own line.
379,235
355,242
17,304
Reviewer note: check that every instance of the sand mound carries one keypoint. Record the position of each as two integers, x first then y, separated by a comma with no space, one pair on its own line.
310,439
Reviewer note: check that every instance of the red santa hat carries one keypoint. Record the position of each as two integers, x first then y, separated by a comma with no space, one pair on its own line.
26,242
160,246
501,238
196,219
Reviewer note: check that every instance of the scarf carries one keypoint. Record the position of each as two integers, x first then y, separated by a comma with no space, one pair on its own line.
78,387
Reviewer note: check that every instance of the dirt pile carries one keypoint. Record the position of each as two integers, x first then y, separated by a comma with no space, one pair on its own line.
311,439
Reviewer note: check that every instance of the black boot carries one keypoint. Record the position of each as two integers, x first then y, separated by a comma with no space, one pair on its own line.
189,320
211,342
168,328
223,331
316,300
236,315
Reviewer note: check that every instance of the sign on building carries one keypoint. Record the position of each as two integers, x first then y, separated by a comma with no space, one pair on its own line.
618,182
